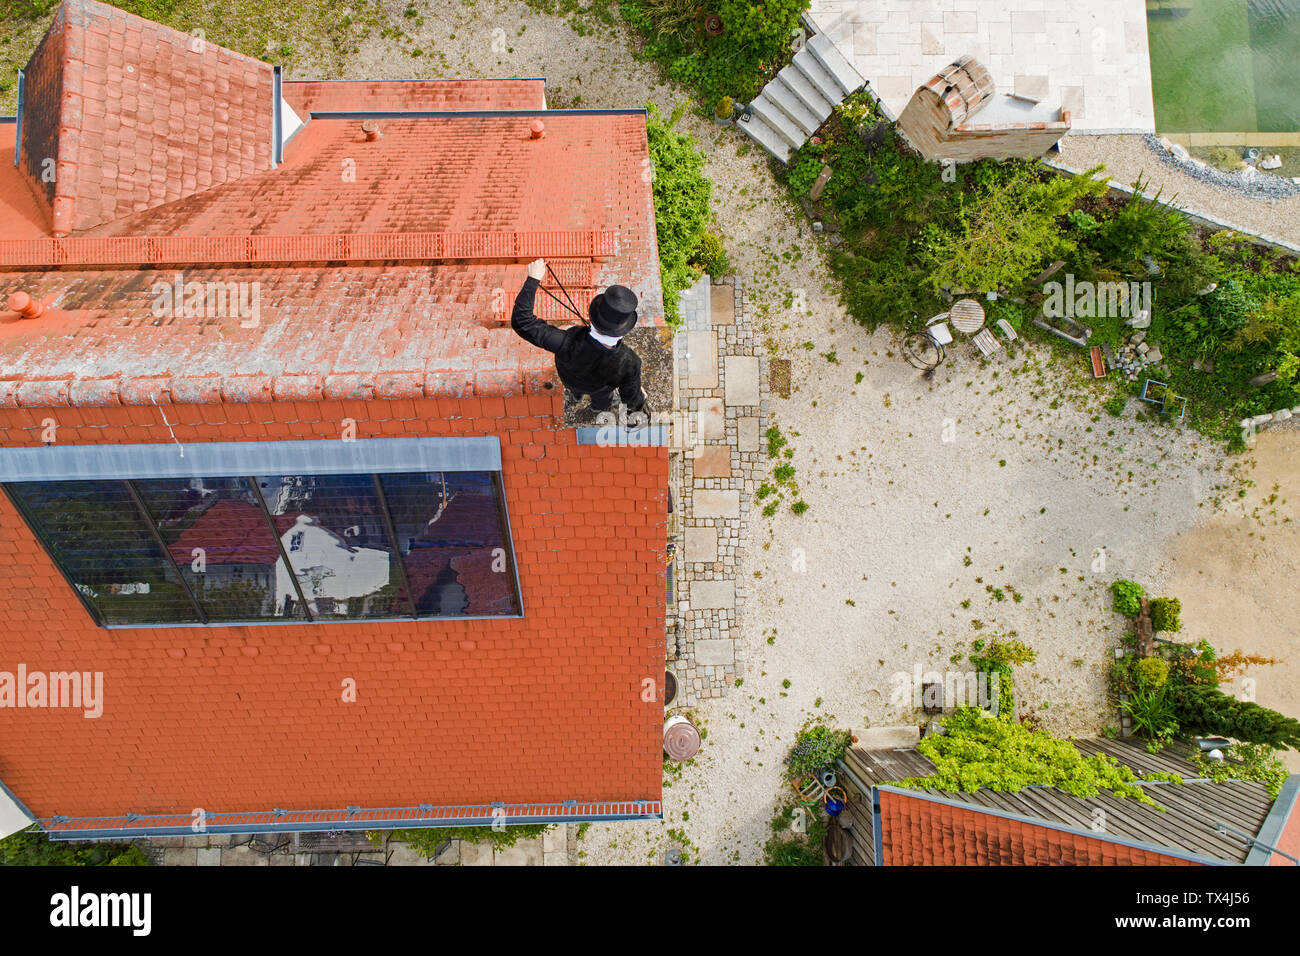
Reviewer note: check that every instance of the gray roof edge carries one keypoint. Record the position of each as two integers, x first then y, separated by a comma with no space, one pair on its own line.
1048,824
1270,831
354,819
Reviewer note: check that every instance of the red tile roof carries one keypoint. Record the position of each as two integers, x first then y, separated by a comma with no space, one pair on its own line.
338,96
917,830
397,329
135,115
547,707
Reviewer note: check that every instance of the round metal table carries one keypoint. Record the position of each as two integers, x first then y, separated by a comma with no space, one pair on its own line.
966,316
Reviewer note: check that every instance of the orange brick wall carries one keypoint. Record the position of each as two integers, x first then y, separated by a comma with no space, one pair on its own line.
544,708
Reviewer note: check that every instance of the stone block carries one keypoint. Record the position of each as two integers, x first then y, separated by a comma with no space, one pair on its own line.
701,545
701,360
475,854
209,856
715,503
242,856
403,854
722,305
711,461
712,595
714,652
742,380
180,856
885,738
747,435
556,839
523,853
711,421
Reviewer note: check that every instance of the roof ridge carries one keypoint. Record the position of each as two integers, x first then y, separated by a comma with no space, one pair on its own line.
335,247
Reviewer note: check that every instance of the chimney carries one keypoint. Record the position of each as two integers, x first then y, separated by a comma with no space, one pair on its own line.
537,129
371,129
26,306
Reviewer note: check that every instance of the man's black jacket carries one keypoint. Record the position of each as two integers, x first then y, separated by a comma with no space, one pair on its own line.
585,365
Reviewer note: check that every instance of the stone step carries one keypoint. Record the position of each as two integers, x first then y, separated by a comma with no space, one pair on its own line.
758,130
821,81
792,106
886,738
802,87
784,127
833,60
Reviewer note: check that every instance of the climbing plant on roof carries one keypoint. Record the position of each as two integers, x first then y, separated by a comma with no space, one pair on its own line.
999,754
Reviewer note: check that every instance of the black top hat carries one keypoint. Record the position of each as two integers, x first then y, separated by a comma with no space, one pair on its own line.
613,312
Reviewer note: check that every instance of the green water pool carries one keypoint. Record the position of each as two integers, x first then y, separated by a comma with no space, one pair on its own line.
1225,65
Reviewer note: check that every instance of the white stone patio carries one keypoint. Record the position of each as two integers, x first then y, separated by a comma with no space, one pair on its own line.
1088,56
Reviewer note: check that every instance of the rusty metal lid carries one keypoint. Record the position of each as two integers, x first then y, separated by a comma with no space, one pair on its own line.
681,739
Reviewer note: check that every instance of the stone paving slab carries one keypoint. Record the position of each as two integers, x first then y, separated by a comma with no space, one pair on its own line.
1094,54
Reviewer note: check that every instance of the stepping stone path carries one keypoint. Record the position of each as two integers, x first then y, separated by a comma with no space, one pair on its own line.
719,463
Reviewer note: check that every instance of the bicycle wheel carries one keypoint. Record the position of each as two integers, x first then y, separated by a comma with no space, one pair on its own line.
922,351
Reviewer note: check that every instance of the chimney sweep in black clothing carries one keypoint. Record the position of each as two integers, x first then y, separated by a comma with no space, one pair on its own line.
591,360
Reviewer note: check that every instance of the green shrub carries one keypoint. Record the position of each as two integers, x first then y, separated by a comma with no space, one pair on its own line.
817,747
1246,762
1128,596
997,657
1116,405
1141,228
756,40
1006,232
711,257
31,847
1165,614
787,848
681,197
1151,672
1152,712
427,840
1207,711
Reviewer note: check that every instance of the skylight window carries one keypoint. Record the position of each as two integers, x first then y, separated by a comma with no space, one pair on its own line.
307,546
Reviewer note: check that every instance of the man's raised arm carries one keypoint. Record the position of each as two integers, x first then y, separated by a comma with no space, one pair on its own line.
528,326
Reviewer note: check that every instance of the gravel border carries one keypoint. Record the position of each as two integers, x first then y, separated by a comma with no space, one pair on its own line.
1251,182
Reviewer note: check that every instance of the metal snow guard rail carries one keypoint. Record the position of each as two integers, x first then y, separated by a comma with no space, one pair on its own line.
347,819
198,250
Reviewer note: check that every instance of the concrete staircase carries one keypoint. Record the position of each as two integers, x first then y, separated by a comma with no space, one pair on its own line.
796,103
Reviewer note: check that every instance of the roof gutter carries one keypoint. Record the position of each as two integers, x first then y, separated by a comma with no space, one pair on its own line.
351,819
